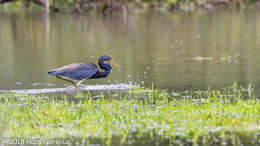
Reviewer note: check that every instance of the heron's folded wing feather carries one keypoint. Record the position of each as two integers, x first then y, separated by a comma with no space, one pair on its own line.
79,71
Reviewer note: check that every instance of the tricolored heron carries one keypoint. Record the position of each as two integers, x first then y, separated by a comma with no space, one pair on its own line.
78,72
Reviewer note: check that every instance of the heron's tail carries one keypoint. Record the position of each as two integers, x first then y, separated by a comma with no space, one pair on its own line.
52,72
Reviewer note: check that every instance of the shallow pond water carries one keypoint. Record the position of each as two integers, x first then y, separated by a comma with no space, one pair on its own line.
180,50
172,50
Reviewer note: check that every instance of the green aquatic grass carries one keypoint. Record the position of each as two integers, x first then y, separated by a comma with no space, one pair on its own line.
221,115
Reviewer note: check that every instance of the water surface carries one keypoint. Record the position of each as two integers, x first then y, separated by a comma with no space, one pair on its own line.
166,49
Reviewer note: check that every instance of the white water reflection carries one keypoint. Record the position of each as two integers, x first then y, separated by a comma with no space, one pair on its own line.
71,88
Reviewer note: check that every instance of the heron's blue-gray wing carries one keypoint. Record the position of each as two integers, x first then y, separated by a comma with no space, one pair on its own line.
79,71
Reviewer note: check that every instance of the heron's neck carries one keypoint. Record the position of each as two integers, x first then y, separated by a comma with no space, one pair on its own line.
102,74
104,66
105,73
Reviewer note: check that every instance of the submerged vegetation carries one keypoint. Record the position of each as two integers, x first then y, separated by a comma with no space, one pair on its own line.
79,6
214,116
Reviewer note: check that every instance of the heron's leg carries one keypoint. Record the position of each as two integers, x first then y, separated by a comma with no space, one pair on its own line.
76,88
75,85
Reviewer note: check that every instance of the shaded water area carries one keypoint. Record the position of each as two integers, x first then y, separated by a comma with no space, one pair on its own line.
172,50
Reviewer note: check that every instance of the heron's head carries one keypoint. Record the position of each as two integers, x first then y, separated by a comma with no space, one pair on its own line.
107,60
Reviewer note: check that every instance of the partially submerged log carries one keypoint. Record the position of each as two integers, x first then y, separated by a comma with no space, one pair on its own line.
6,1
44,3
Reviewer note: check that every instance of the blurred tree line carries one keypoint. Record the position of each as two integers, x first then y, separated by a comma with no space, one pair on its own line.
79,6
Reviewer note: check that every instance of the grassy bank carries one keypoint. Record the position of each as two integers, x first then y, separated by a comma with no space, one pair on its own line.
225,116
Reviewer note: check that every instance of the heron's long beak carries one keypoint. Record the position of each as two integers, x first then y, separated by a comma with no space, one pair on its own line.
117,65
